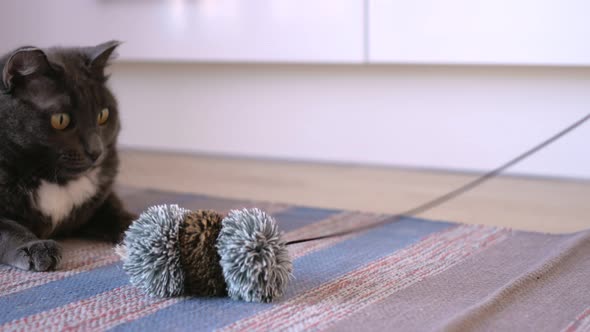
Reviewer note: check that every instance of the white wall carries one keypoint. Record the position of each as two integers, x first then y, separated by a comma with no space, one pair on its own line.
460,118
521,32
297,100
302,31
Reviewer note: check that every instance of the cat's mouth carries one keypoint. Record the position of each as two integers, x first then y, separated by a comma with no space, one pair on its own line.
73,172
74,166
78,170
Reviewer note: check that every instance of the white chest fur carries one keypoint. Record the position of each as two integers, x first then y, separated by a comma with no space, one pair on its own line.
57,201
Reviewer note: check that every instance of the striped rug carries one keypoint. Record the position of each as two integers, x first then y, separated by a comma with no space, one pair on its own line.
411,275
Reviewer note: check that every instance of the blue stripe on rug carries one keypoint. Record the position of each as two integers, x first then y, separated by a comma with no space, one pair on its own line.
289,219
137,203
93,282
62,292
209,203
310,271
297,217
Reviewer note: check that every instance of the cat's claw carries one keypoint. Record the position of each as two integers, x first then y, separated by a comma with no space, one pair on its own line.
40,256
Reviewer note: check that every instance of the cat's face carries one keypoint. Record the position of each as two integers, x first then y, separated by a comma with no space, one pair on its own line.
60,111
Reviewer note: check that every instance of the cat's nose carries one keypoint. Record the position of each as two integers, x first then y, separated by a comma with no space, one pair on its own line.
93,147
94,154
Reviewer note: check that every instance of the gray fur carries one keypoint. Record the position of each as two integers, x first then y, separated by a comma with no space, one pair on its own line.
21,249
255,260
151,251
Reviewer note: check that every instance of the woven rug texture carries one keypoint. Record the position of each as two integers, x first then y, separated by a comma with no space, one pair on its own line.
410,275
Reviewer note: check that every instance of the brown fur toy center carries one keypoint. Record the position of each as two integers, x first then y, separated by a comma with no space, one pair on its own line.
198,255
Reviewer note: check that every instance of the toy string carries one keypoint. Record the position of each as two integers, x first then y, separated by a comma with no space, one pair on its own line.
456,192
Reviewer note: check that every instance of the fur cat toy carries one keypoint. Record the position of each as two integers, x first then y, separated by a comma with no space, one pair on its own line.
170,251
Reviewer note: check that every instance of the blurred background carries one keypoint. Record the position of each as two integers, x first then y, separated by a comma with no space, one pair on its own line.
458,84
455,86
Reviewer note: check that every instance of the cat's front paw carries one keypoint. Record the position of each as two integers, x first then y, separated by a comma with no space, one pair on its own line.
40,255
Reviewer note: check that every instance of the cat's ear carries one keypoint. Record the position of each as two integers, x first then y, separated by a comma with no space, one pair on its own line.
100,55
23,64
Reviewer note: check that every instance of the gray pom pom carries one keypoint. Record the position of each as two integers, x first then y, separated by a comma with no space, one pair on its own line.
254,258
151,251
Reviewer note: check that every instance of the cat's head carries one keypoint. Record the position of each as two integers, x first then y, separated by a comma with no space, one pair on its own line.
57,107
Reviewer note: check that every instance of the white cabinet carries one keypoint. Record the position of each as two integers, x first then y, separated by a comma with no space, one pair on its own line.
519,32
326,31
527,32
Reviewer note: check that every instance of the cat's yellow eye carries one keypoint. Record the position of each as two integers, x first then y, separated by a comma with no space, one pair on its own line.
103,116
60,121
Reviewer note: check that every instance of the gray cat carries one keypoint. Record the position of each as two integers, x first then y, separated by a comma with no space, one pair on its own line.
59,124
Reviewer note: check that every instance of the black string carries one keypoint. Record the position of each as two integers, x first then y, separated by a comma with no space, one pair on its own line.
454,193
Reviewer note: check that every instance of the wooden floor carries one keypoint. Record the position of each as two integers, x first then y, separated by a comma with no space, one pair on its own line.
521,203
